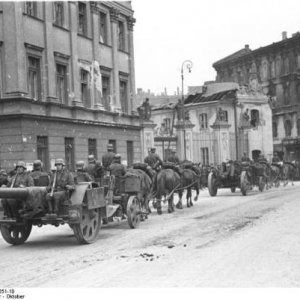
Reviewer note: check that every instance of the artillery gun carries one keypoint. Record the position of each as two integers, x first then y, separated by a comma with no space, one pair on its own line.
83,212
224,176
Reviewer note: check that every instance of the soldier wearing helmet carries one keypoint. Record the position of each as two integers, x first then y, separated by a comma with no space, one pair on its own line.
40,178
3,178
275,158
173,158
116,168
81,175
262,159
91,165
153,159
20,180
61,183
108,157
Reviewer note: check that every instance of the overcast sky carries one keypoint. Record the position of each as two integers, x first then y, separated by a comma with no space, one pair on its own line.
167,33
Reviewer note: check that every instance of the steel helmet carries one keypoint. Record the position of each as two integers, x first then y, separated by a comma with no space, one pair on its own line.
117,156
91,158
110,147
37,163
80,164
3,172
21,164
59,161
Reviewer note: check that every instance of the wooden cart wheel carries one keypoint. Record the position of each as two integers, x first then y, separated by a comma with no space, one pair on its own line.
87,231
212,184
133,211
16,234
244,183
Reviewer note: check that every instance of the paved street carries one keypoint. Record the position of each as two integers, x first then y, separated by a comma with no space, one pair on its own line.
226,241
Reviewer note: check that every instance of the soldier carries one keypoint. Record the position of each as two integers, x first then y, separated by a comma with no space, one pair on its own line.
153,159
3,178
40,178
262,159
81,175
116,168
245,158
61,183
20,180
108,157
91,166
275,158
173,158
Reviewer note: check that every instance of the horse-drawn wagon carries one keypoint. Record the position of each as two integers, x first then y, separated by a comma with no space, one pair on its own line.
224,176
253,174
129,195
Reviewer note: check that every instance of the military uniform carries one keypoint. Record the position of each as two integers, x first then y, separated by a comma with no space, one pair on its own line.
174,159
153,159
82,176
3,178
20,179
275,160
61,183
107,159
117,169
40,178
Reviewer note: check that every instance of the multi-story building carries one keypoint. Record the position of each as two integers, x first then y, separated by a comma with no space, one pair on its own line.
222,122
67,81
276,67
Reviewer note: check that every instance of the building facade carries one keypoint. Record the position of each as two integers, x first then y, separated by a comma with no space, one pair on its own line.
221,123
67,81
275,70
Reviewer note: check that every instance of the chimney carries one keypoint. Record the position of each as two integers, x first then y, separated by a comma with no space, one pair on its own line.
247,47
284,35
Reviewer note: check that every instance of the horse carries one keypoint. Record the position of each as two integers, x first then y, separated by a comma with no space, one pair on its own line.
288,173
168,181
189,180
145,188
275,174
267,171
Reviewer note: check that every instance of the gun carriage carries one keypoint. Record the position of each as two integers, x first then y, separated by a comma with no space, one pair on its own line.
224,176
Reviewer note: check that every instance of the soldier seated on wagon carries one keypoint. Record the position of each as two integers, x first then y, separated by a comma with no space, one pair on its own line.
61,183
3,178
116,168
40,178
81,175
20,180
108,157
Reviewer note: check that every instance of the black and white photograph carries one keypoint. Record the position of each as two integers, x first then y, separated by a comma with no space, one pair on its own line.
149,148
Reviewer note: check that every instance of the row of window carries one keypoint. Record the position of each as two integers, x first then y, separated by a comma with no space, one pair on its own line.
287,128
35,84
266,70
254,119
43,151
59,20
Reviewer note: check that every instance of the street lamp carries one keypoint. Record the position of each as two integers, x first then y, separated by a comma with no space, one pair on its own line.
187,64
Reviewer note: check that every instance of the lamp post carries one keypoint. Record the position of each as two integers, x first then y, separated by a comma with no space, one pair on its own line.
187,64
